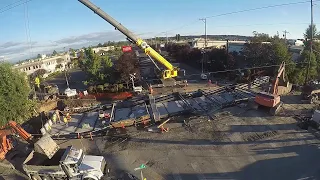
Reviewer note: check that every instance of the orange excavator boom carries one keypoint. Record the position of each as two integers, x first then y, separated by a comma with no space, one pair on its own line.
5,144
276,81
20,131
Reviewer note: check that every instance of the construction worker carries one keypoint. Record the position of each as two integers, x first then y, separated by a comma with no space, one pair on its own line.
54,118
150,89
65,120
68,116
57,112
107,116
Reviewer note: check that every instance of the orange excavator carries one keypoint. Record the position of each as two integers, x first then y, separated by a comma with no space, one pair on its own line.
12,128
272,99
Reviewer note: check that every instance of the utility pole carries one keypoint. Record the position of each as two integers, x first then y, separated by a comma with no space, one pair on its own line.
311,39
285,35
205,40
167,37
205,30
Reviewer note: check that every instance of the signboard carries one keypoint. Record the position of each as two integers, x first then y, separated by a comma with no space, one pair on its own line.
126,48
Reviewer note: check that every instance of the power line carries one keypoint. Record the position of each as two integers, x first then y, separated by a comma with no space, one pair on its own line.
9,5
13,5
257,67
238,69
236,12
259,8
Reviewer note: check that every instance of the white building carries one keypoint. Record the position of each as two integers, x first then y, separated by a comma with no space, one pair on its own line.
236,46
48,63
295,42
101,50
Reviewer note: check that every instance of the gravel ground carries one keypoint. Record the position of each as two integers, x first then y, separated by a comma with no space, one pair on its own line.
239,144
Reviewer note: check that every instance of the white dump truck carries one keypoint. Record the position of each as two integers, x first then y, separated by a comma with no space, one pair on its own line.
69,163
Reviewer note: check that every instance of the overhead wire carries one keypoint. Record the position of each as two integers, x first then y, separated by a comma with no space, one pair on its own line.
233,70
259,8
13,5
237,12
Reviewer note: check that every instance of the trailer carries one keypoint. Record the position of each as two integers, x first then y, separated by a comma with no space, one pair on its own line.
69,163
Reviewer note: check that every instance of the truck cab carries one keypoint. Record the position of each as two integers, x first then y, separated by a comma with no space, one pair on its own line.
75,163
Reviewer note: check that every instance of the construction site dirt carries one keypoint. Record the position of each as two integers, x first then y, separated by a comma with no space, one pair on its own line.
239,144
231,142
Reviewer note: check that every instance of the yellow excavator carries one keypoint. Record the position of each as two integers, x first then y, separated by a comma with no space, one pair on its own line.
168,73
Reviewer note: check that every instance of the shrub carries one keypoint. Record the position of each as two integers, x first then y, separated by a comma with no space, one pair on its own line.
106,87
91,89
120,87
100,88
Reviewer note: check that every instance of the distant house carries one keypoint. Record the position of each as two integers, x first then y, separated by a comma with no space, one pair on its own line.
103,49
233,46
48,63
295,42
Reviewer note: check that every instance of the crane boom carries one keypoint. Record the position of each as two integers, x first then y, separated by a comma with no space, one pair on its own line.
171,70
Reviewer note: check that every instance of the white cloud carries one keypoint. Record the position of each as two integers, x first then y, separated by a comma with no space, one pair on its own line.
15,51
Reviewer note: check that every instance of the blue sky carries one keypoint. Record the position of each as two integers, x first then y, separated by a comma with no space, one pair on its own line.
56,24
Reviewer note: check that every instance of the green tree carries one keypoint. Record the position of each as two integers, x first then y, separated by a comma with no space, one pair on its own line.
282,54
273,53
72,52
99,45
54,53
308,33
260,37
127,64
98,68
39,56
14,92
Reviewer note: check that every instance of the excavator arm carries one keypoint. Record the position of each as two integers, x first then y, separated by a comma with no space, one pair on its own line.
12,128
170,72
276,81
17,129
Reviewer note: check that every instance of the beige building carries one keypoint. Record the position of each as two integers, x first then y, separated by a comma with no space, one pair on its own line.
47,63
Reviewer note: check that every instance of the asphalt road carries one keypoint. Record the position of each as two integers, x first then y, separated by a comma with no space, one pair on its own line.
77,76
